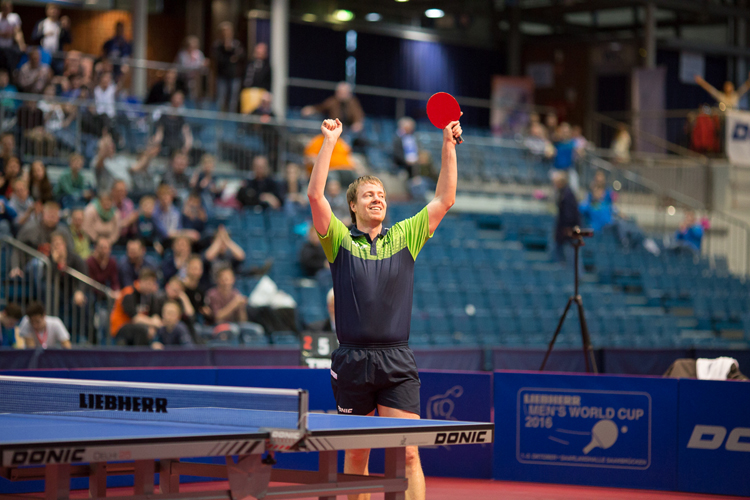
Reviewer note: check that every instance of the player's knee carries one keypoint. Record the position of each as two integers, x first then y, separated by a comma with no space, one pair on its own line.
412,456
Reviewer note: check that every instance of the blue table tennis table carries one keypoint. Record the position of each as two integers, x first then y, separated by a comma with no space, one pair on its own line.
55,429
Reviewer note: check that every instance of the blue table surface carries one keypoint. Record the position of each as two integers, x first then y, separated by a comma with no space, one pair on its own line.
51,428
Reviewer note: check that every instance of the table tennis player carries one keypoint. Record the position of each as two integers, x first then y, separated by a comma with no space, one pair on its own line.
373,281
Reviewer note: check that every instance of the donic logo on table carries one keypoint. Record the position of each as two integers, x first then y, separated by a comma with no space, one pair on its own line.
122,403
51,456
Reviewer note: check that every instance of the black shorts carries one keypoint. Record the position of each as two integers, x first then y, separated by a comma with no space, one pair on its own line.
364,378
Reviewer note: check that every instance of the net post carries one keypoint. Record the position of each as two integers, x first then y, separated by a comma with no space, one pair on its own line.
304,399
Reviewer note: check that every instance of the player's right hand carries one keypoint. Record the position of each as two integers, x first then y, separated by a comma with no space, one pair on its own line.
331,129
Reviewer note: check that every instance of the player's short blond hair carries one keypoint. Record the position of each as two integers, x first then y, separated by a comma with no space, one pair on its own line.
351,193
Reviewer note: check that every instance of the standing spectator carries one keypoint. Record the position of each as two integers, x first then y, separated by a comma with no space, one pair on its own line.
161,92
135,317
262,189
117,48
22,203
342,105
146,228
192,63
133,261
7,217
101,219
41,331
173,331
62,261
226,302
621,145
9,318
140,173
11,37
172,126
405,149
125,207
176,175
103,164
102,266
565,155
567,215
228,56
257,80
312,258
105,99
52,32
40,186
34,75
176,264
81,241
72,189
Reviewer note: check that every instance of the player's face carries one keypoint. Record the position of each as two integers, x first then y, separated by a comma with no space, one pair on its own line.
38,322
371,204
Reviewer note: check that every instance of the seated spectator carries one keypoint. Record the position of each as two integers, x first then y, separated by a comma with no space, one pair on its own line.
34,75
294,189
161,92
405,148
40,186
36,233
173,127
102,266
192,62
7,217
81,241
62,261
11,37
104,163
173,331
11,172
7,88
7,143
22,203
176,262
126,212
223,252
168,218
117,48
40,331
262,189
337,199
75,74
204,182
312,258
9,319
197,283
343,166
193,215
72,189
265,109
690,234
176,176
621,145
174,290
146,228
227,304
342,105
100,219
135,318
143,180
133,261
538,144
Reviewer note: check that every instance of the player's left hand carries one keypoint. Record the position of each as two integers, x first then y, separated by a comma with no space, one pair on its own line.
451,131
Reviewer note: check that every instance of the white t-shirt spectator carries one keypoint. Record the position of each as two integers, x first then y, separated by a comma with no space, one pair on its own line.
105,100
8,27
51,39
53,336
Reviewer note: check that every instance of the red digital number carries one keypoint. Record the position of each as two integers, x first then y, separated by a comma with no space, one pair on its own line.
307,342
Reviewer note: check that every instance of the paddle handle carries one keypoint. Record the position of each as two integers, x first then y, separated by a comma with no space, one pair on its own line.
459,140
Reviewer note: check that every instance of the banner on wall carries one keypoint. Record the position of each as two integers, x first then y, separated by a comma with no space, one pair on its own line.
598,431
512,98
738,137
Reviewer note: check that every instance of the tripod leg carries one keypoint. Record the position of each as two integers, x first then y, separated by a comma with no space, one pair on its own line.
557,332
588,351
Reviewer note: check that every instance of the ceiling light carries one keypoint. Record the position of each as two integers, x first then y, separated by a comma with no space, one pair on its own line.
343,15
434,13
309,18
401,1
373,17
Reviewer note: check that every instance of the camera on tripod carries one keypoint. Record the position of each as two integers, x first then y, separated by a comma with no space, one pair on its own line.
577,232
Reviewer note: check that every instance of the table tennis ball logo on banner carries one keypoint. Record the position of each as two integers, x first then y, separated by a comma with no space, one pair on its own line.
582,428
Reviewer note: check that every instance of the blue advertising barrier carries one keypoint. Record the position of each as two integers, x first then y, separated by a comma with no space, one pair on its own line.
589,430
714,437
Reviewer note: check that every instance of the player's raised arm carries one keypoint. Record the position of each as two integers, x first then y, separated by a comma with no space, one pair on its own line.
321,209
445,193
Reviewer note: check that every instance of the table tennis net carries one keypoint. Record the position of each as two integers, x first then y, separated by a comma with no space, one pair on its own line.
175,403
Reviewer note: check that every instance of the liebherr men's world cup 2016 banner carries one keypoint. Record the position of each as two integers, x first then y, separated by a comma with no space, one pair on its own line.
606,431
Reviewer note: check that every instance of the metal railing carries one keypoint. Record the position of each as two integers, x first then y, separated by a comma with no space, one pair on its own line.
36,272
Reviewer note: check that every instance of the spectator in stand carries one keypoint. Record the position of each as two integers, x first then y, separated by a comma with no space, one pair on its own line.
567,216
621,145
193,214
265,109
405,148
730,97
168,218
294,189
117,48
565,154
103,164
161,92
689,236
175,131
228,57
40,186
9,319
312,258
34,75
580,143
11,37
328,324
40,331
176,263
146,228
176,175
126,211
63,260
100,219
223,252
72,189
30,121
197,283
55,119
257,80
105,99
7,217
342,105
173,331
142,178
22,203
262,189
343,166
337,199
133,261
227,304
135,317
538,144
8,89
52,32
192,63
81,241
204,182
11,173
174,289
76,67
7,145
102,266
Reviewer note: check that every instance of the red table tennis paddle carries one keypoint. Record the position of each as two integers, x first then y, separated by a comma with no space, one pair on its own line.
442,108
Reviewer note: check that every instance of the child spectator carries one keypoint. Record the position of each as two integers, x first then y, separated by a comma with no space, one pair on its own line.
173,331
146,228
